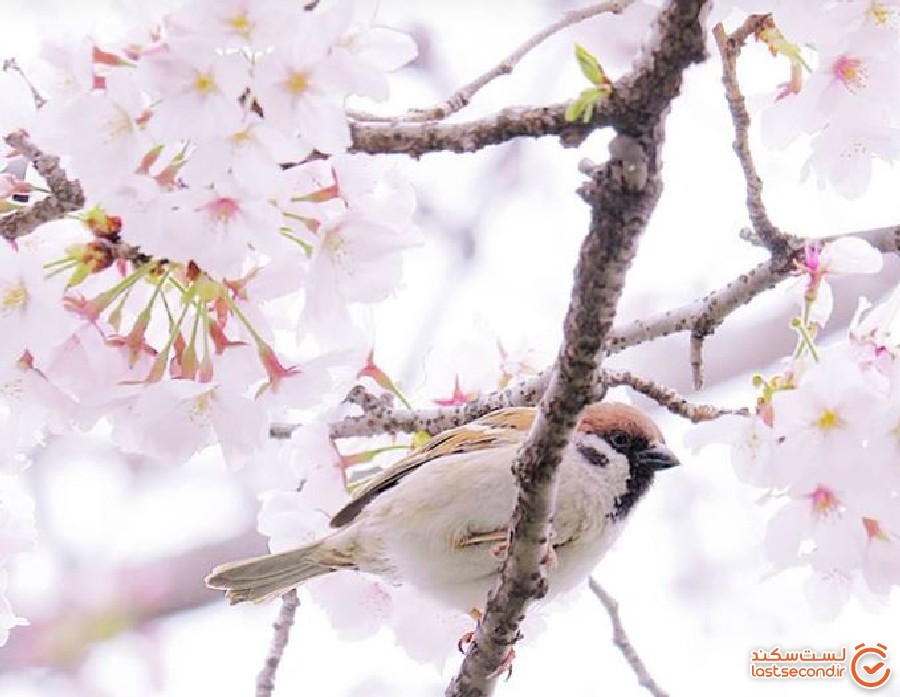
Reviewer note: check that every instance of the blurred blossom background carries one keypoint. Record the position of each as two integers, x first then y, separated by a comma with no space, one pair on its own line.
114,590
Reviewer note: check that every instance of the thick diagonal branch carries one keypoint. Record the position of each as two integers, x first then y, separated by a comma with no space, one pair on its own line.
622,196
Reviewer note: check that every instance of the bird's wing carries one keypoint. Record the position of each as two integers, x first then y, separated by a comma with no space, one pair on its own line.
499,428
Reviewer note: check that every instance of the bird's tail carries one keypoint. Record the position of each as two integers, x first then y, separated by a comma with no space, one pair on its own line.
269,576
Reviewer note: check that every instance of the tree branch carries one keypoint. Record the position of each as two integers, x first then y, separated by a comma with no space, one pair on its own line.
461,98
265,681
12,65
65,194
707,312
668,398
621,641
632,101
63,631
729,49
621,205
416,139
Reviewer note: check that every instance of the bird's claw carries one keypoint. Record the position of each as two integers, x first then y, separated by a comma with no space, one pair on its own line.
465,640
550,560
506,664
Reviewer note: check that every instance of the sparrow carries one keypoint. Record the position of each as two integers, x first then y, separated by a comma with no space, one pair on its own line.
438,519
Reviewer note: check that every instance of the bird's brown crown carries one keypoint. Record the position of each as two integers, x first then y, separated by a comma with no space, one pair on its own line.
605,417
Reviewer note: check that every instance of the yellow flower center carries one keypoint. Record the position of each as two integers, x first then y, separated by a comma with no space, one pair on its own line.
14,297
201,407
851,72
241,24
829,420
895,432
297,83
241,138
334,242
881,13
204,83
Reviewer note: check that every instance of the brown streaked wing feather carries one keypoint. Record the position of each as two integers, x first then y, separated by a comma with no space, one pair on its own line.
500,427
514,418
480,538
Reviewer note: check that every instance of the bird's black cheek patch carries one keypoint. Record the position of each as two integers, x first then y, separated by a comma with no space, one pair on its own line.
594,456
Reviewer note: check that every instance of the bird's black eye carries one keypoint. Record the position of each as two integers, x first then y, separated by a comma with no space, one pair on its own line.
620,440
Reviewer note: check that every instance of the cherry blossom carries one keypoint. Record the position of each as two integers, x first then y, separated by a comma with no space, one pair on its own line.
221,224
233,24
172,419
876,330
841,256
297,90
364,53
829,415
32,316
357,256
250,153
199,90
102,131
69,68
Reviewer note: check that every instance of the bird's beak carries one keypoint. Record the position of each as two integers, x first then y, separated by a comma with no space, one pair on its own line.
658,457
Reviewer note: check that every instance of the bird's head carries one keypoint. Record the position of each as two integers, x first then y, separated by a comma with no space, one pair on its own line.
611,431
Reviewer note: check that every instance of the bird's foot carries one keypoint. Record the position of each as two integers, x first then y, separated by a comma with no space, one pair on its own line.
550,560
467,637
506,664
465,640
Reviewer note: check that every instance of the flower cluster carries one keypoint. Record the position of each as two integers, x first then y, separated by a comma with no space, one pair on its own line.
230,245
843,90
220,203
825,442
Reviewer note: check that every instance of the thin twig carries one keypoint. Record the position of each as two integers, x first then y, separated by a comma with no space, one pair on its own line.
11,64
729,49
461,98
265,681
697,338
621,641
668,398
